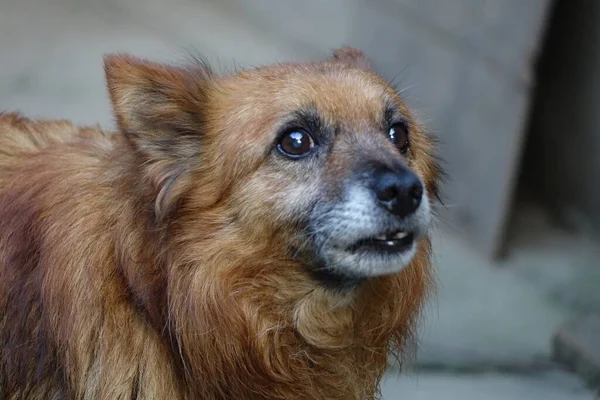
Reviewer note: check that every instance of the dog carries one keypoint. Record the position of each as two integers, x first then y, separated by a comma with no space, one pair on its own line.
259,234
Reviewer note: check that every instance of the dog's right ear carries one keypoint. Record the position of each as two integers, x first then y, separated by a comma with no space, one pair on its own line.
352,56
160,109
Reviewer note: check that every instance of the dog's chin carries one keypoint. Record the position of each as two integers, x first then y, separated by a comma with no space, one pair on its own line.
348,266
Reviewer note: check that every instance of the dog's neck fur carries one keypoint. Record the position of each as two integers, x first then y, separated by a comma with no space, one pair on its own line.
234,305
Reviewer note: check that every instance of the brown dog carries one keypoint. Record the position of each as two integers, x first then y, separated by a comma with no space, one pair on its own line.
261,235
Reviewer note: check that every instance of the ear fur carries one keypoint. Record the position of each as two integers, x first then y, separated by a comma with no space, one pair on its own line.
160,109
352,56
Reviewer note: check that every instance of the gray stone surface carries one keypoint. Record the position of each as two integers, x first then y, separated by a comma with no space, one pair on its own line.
554,385
577,346
559,262
484,315
505,33
501,315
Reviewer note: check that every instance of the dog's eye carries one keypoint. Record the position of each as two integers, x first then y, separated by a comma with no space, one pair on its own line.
295,144
399,136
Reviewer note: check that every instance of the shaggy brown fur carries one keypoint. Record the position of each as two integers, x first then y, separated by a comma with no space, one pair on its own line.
155,263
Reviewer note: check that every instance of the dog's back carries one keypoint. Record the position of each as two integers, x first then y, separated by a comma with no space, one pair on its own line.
23,141
60,258
23,328
20,137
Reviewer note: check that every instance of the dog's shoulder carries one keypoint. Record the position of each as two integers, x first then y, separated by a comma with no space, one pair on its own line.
23,139
21,134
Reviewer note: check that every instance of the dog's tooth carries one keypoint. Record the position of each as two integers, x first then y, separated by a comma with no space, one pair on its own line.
401,235
390,243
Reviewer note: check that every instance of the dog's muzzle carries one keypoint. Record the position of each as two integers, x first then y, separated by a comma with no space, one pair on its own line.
373,229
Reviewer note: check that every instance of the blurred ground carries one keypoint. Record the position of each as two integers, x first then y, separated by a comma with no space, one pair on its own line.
486,335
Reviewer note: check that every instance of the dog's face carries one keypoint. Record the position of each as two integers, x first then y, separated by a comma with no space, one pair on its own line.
323,157
337,157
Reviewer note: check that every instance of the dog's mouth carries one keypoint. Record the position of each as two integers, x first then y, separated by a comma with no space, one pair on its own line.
397,241
380,253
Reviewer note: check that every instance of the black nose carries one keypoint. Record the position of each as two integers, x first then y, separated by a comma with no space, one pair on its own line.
398,191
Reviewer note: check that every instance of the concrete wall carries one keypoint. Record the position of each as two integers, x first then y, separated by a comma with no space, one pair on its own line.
563,155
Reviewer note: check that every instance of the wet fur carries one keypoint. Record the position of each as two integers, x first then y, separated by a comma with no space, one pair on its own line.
131,267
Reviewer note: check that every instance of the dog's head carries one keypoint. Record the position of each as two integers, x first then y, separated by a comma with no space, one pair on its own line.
267,187
325,157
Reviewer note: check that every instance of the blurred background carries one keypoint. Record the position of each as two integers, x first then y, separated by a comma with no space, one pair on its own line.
510,87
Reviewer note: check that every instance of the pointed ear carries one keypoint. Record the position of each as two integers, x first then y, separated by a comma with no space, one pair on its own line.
160,110
352,56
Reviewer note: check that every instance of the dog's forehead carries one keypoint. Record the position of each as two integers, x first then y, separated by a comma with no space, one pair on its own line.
345,96
337,93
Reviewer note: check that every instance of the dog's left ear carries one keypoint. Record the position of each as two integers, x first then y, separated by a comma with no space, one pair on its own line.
352,56
160,109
